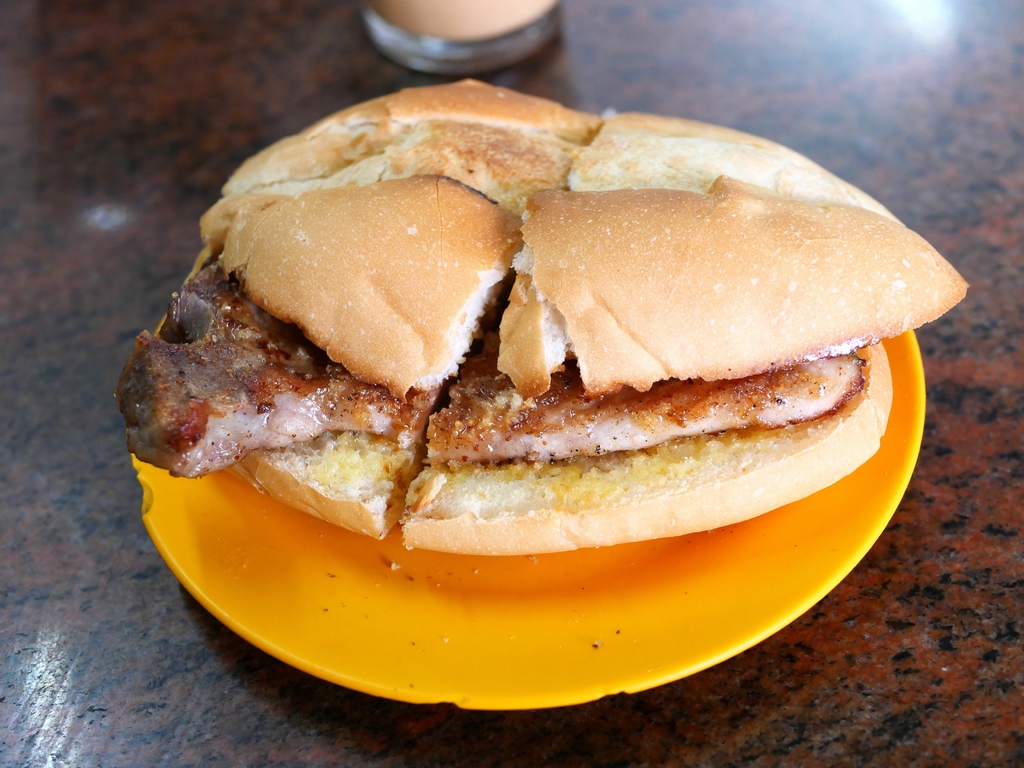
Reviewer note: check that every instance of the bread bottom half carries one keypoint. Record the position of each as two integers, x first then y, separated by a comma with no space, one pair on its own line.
685,486
353,480
368,484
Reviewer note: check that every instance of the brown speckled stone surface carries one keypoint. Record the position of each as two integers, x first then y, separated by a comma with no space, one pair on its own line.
118,123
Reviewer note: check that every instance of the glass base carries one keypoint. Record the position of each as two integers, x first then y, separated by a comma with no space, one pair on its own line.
455,57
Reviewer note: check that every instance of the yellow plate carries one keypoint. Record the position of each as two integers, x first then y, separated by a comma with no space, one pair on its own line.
522,632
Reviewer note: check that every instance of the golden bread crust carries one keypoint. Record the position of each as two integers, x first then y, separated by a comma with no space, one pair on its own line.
503,143
635,150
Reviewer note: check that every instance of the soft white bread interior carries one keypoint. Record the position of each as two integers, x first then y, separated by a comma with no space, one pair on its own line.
353,480
680,487
503,143
390,279
635,150
733,282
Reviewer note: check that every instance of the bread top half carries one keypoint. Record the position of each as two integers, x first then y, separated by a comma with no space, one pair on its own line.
390,279
641,285
646,247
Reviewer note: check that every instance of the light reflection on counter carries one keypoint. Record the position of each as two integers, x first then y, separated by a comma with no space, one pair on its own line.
929,20
107,217
48,704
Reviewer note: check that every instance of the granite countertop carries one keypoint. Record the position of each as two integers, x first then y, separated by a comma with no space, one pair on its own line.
119,123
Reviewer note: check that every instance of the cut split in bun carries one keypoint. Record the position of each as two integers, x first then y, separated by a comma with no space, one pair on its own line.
389,279
642,285
680,487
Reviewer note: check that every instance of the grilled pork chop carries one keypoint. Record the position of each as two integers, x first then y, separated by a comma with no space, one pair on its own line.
487,421
222,378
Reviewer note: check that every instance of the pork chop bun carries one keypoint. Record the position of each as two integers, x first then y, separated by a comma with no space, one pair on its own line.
514,328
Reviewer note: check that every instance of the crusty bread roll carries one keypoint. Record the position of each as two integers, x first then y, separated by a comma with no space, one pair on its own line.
733,282
650,248
676,488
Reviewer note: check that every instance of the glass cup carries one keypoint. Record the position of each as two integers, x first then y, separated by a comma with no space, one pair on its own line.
460,37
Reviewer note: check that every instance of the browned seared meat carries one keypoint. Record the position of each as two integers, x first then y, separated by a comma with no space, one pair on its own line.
222,378
487,421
